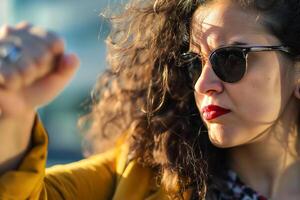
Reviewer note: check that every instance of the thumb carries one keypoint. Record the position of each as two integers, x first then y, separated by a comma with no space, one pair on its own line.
67,65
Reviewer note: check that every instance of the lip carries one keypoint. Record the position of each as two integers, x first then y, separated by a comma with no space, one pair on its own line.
213,111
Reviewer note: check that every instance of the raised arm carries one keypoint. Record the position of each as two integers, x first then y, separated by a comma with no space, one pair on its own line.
34,68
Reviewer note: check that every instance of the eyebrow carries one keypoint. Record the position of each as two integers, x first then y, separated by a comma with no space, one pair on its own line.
233,43
239,43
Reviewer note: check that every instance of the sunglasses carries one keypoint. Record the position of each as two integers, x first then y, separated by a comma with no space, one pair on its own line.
229,62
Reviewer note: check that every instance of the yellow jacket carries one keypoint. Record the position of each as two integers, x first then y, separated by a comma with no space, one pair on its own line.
105,176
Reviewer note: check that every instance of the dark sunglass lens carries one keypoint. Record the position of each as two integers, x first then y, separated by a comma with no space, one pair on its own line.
229,64
193,65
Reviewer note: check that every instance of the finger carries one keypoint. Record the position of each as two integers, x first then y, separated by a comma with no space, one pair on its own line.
42,59
43,62
54,82
28,71
39,54
36,50
19,73
24,26
35,62
11,76
53,41
67,64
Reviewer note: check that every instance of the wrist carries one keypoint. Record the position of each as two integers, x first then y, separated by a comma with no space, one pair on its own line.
16,135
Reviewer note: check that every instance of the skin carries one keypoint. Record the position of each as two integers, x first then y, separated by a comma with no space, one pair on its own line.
43,66
261,128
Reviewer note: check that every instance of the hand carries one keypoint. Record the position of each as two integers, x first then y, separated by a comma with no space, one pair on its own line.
39,75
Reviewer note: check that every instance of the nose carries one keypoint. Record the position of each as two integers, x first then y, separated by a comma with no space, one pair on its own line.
208,83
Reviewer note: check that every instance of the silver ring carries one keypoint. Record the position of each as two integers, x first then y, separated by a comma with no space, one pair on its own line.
10,53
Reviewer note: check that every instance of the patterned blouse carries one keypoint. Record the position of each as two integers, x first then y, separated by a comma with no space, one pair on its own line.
238,190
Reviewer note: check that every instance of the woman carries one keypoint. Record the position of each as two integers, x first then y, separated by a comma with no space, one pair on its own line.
203,97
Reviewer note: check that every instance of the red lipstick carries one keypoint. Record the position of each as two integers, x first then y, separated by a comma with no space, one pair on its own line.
212,111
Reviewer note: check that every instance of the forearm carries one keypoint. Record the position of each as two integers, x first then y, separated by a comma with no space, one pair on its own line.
15,137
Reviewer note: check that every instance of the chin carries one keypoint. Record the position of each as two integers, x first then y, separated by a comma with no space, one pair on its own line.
222,137
221,144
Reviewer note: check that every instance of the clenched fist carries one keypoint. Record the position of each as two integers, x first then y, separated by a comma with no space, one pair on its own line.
41,71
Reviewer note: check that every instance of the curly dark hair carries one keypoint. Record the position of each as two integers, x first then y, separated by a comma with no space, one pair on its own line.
145,95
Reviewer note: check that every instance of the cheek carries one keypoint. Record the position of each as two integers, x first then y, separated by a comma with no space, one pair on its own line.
259,94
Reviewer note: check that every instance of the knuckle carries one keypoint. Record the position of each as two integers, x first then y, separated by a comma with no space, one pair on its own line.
23,25
43,58
6,30
26,69
38,31
57,45
54,40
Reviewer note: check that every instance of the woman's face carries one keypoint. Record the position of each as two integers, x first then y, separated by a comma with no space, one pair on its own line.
262,97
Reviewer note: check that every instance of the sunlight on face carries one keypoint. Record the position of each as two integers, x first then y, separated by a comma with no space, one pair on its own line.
258,100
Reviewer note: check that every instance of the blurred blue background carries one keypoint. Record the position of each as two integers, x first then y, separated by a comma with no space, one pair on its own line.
84,31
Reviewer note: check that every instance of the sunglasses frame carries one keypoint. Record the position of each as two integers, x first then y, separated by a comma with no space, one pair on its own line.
243,49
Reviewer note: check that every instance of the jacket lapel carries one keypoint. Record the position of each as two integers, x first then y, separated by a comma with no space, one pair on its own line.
138,183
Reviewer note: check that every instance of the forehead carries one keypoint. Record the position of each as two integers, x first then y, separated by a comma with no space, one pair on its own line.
224,22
